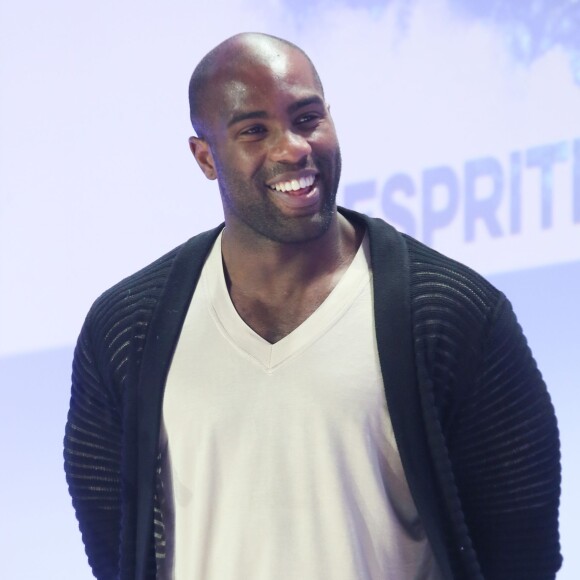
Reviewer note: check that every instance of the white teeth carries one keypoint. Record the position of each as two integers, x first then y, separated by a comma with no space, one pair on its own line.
294,184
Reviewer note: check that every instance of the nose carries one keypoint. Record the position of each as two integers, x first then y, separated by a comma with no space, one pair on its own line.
290,147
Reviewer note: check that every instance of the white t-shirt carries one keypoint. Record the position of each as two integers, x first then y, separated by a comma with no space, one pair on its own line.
283,461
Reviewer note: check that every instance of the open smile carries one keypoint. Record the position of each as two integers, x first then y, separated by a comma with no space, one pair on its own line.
297,192
294,186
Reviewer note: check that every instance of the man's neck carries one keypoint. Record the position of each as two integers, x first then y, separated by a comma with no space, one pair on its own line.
260,265
276,287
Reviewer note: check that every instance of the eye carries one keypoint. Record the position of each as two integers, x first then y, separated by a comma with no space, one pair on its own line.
254,130
308,120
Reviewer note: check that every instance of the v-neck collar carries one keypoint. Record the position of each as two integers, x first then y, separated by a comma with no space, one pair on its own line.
268,355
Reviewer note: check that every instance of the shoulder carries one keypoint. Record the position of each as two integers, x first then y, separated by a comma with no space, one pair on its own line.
436,277
434,280
132,300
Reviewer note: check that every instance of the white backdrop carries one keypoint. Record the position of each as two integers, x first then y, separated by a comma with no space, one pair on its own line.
459,123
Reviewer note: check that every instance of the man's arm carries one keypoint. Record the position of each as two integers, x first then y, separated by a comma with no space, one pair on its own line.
507,459
92,454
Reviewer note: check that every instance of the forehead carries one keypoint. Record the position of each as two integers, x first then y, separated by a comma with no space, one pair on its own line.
264,81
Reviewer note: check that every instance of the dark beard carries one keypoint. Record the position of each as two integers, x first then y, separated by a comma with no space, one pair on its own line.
265,219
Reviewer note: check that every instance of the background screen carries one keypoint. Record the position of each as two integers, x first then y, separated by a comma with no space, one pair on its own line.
459,124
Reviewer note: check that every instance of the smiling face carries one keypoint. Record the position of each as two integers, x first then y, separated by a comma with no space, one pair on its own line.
271,143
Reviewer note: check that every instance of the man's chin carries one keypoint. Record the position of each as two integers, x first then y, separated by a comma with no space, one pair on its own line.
301,229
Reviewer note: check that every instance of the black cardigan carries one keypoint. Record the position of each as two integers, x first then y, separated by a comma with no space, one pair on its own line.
471,415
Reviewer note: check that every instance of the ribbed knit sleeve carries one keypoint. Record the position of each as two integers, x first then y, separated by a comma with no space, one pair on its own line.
99,444
93,460
507,459
490,423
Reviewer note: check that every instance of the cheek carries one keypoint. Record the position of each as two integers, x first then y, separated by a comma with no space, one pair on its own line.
241,173
326,140
244,161
327,149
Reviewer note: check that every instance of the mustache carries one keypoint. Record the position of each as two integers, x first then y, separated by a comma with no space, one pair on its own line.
272,172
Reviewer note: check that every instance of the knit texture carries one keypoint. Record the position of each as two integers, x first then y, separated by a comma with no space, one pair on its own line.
108,351
490,421
490,426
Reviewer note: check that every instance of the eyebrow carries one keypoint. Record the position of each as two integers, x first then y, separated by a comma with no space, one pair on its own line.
247,115
244,116
314,100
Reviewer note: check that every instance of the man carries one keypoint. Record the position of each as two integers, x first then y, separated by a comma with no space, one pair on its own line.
305,393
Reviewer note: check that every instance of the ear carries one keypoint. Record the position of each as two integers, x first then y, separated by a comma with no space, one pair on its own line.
203,155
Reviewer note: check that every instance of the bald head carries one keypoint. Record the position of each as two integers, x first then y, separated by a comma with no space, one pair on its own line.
225,61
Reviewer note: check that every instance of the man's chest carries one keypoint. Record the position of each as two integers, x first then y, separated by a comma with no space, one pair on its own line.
275,317
283,458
